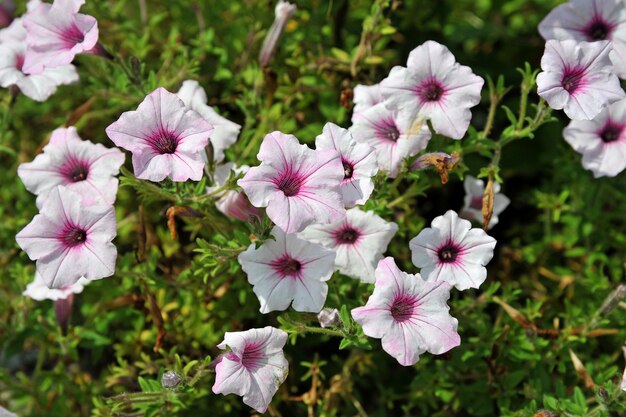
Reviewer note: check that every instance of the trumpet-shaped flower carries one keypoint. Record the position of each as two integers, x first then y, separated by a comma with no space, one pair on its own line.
578,78
394,135
38,291
409,314
358,159
70,240
86,168
473,203
233,203
254,367
166,138
366,96
288,269
436,87
590,20
299,186
56,34
452,251
359,242
225,132
601,141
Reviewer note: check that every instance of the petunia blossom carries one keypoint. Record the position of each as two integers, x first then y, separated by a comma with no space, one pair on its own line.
232,203
288,269
623,384
394,135
57,33
436,87
225,132
473,202
601,141
254,367
166,138
39,291
358,159
366,96
409,314
70,240
359,241
452,251
299,186
578,77
590,20
86,168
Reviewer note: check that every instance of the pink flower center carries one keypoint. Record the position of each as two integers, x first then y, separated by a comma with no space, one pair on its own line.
573,79
403,307
348,169
287,266
75,170
347,235
448,252
72,36
386,130
477,202
598,29
72,236
611,132
430,90
253,357
163,142
19,62
289,184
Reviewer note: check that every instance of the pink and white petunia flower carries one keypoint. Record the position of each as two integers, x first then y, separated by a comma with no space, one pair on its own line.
453,252
166,138
57,33
601,141
623,384
86,168
578,78
288,269
254,367
225,132
39,291
366,96
394,135
358,159
409,314
473,203
436,87
232,203
70,240
591,21
299,186
359,241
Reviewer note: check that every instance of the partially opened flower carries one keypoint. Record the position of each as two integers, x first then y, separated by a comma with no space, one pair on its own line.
56,34
254,367
578,78
70,240
394,135
166,138
299,186
358,159
232,203
225,132
283,12
473,202
359,241
86,168
409,314
366,96
595,20
452,251
436,87
601,141
39,291
288,269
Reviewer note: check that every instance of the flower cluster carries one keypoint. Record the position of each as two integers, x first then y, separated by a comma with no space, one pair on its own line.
584,56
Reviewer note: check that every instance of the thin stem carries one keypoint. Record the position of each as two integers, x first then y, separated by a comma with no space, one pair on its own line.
490,118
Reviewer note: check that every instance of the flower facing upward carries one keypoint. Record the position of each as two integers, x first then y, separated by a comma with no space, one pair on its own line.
591,21
358,159
84,167
69,240
409,314
473,203
254,367
359,242
56,34
434,86
288,269
601,141
225,132
166,138
578,78
298,186
394,135
452,251
366,96
38,291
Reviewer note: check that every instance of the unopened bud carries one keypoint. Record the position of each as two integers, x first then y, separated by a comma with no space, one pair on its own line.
329,317
170,379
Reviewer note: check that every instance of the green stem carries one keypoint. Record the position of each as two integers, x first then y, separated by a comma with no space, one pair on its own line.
522,108
329,332
490,118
